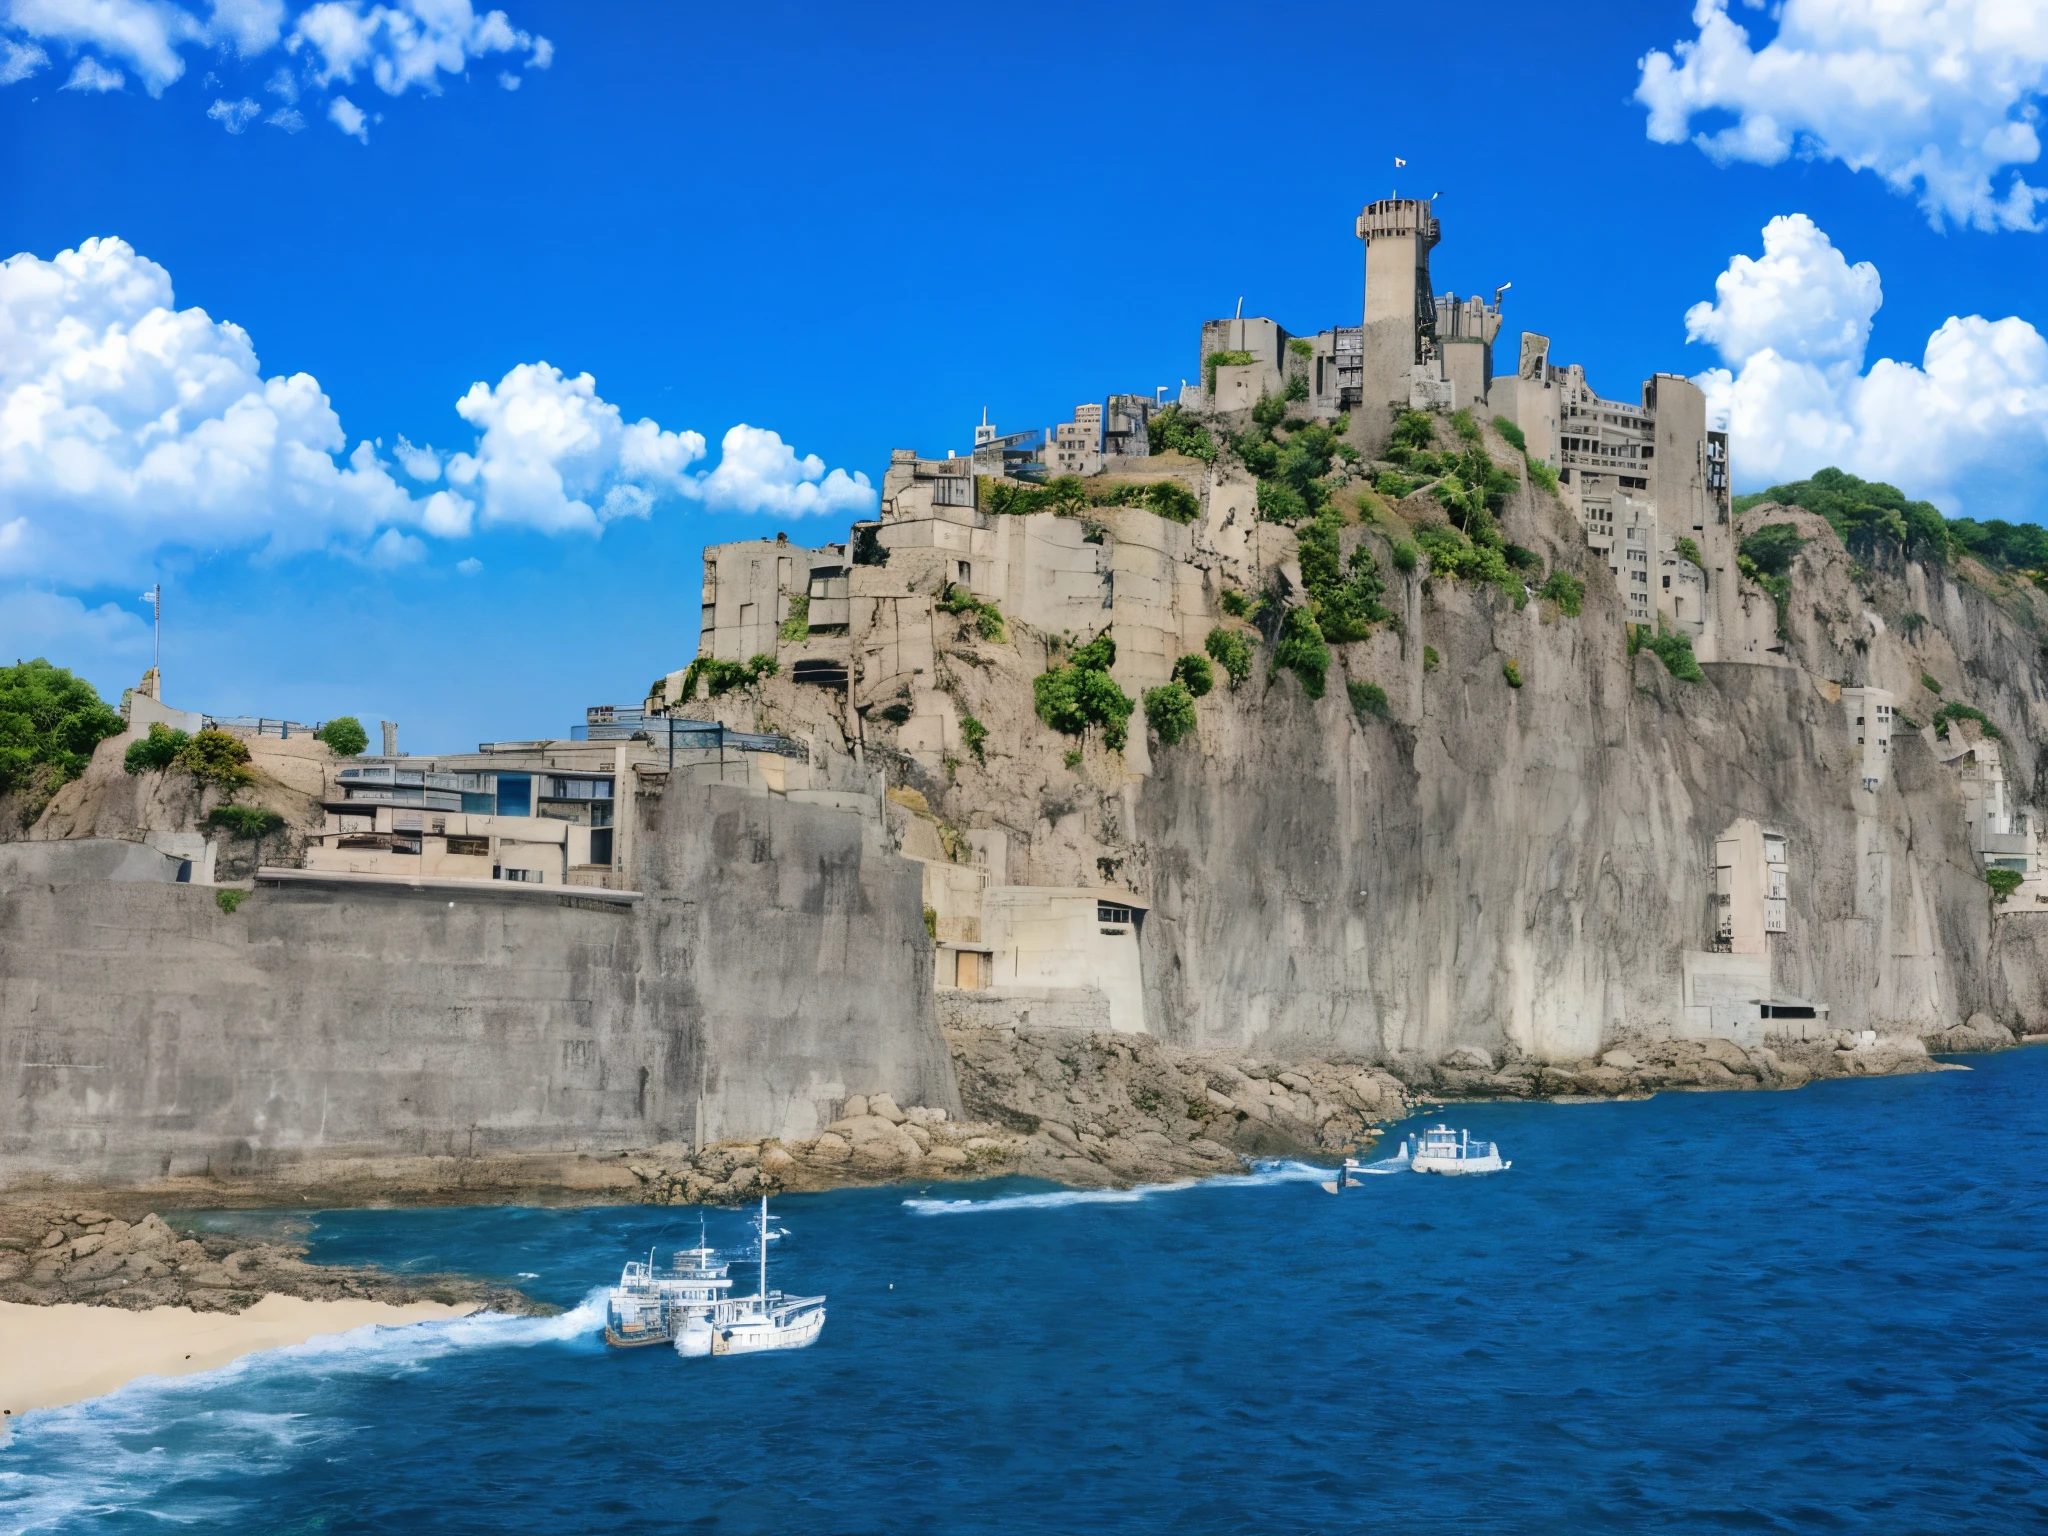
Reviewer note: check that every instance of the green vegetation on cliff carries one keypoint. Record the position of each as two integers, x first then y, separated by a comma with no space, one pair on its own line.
1170,711
1672,648
1192,673
1080,693
345,736
1301,650
50,720
1171,431
1230,651
988,619
1344,593
1870,514
1949,712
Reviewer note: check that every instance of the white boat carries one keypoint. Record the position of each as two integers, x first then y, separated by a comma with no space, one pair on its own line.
1443,1150
749,1325
651,1305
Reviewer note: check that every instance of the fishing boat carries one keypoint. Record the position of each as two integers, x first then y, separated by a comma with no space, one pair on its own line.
748,1325
652,1305
1443,1150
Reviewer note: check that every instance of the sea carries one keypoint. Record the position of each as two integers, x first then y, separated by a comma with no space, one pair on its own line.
1816,1311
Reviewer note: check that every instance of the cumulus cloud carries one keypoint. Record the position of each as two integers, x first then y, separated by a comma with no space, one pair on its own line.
1967,426
287,118
104,642
19,60
349,118
1941,98
91,75
398,46
127,424
234,115
758,472
556,457
130,427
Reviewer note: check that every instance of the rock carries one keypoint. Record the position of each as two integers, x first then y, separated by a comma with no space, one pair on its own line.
1844,1041
1061,1133
883,1106
1620,1061
91,1243
1222,1101
1728,1054
1469,1058
918,1114
1297,1082
776,1161
868,1128
90,1218
855,1107
919,1135
947,1157
831,1149
53,1237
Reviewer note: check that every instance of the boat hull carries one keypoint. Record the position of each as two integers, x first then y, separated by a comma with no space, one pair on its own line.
759,1338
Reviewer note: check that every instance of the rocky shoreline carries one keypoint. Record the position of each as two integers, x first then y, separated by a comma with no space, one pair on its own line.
1087,1110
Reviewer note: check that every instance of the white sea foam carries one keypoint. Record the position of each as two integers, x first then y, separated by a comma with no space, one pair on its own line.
63,1468
1261,1176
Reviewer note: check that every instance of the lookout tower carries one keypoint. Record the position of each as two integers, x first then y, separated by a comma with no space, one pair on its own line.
1399,233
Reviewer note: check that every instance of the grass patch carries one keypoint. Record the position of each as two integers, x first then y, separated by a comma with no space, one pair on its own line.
1565,590
1367,699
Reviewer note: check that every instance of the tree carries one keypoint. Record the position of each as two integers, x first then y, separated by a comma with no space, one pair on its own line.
50,721
156,751
1081,693
1170,710
344,735
1232,652
217,758
1301,650
1192,673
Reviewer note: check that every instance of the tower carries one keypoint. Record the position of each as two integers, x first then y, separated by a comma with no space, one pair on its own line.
1400,306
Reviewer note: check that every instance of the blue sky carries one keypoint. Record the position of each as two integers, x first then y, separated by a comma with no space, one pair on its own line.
854,228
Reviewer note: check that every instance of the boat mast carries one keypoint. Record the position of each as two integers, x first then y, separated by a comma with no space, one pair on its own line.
764,1250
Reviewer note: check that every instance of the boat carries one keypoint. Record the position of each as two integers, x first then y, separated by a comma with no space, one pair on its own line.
1443,1150
749,1325
651,1305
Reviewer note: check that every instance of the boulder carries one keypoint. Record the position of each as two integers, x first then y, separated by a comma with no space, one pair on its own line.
53,1237
1061,1133
1728,1054
855,1107
1620,1061
883,1106
919,1114
831,1149
946,1157
918,1134
1469,1058
866,1129
776,1161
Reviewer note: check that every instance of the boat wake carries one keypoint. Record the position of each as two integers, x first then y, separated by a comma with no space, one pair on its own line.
1261,1176
65,1468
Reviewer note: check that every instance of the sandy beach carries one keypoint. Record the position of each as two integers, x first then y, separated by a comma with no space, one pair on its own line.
50,1356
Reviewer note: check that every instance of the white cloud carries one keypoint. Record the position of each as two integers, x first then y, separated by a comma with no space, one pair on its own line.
348,117
556,457
758,472
470,566
1939,97
447,515
234,115
91,75
392,548
543,54
250,27
127,425
1967,426
508,80
422,463
407,45
144,34
284,85
106,642
287,118
19,60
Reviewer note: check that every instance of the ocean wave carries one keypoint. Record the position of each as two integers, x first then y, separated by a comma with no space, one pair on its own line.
1261,1176
65,1468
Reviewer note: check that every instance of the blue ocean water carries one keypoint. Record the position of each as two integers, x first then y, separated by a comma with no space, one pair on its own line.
1777,1311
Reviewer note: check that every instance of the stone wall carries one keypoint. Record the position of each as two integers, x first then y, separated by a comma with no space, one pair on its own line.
777,965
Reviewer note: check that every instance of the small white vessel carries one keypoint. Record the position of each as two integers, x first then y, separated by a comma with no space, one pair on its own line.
1443,1150
651,1305
748,1325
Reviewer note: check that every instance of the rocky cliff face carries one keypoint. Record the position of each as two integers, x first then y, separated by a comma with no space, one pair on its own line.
1521,868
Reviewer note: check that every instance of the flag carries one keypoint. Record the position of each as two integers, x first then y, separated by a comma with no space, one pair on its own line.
1399,162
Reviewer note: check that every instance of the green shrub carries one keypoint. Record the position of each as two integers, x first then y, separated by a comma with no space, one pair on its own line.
1565,590
1452,555
1511,669
1952,711
1405,555
1301,650
1296,388
345,736
1430,660
1765,557
229,899
1301,346
1232,652
988,619
721,677
975,734
931,924
1866,512
1367,698
244,821
2003,882
1414,429
1392,484
1173,501
797,627
1512,433
1235,605
1072,759
1170,711
1672,648
1081,693
1192,673
50,721
1687,550
1463,424
762,666
1172,431
1346,605
1279,502
1215,360
1931,684
156,751
216,758
1541,474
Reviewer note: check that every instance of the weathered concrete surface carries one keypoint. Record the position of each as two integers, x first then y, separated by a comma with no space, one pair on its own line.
409,1041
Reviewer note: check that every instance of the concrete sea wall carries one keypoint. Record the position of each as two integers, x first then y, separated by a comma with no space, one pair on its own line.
779,965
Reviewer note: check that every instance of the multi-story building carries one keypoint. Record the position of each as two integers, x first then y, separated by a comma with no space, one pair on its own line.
1075,447
1126,428
1871,713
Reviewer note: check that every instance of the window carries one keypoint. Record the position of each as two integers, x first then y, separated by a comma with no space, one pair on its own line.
601,847
517,876
966,576
1110,912
470,847
515,794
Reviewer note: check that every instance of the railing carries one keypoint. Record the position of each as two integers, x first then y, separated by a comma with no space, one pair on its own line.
263,725
685,735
